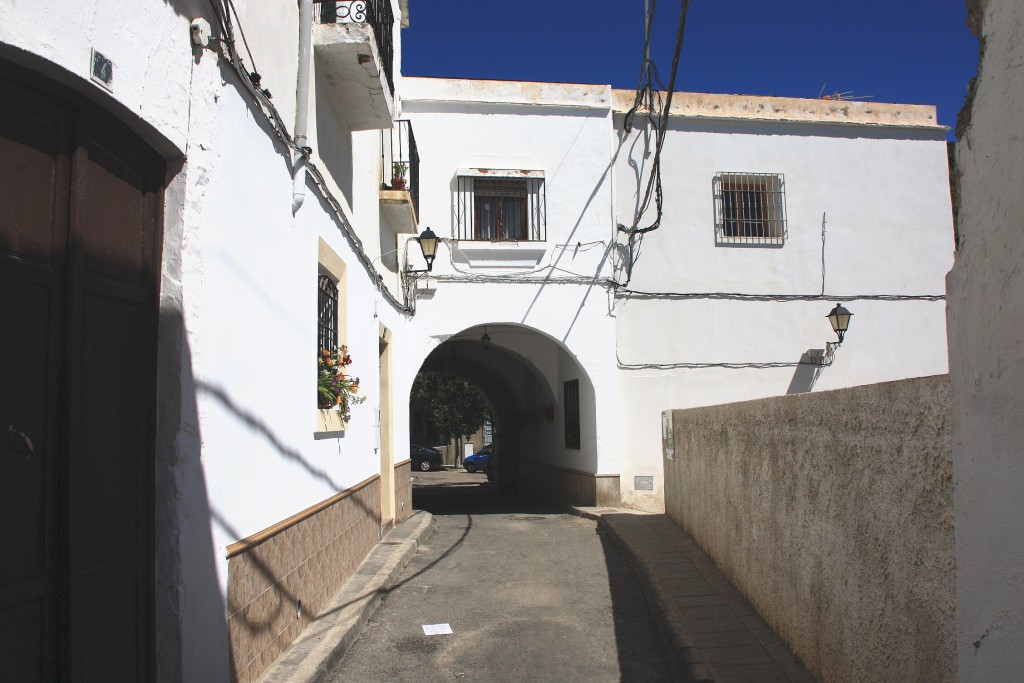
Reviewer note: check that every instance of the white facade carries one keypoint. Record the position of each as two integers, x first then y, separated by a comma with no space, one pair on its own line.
690,322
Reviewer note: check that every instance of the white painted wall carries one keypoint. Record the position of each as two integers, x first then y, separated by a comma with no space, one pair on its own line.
986,370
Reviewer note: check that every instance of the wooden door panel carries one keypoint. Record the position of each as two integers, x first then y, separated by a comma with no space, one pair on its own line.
35,149
35,137
80,238
114,230
23,632
105,654
24,309
114,235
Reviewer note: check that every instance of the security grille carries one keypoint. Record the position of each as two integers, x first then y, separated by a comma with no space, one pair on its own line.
500,209
750,208
327,317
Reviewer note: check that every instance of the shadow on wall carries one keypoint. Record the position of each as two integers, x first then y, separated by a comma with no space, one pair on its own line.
192,628
807,372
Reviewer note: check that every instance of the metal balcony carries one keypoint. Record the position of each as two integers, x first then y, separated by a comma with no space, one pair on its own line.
400,177
354,52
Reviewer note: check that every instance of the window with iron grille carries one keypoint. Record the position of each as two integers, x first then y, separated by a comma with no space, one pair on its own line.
496,207
750,208
571,396
327,314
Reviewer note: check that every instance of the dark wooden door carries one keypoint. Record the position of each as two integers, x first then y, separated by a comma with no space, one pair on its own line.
79,270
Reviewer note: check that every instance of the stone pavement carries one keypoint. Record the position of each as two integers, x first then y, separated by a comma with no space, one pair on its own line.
713,632
714,635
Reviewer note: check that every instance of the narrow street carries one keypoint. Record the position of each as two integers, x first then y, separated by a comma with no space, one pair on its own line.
530,592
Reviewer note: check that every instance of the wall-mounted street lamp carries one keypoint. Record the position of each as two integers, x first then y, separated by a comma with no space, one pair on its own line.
428,245
485,341
839,318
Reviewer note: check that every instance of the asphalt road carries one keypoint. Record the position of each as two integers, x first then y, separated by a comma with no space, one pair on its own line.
531,594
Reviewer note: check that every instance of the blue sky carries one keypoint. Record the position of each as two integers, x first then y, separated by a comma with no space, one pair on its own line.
907,51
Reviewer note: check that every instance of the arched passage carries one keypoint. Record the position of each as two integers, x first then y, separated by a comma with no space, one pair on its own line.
544,405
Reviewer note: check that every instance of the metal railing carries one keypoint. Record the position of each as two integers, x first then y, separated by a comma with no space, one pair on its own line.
377,13
399,157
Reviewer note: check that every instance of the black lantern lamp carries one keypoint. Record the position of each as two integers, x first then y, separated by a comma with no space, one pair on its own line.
839,317
428,245
485,340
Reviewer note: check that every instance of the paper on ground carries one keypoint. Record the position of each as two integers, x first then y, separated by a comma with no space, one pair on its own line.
436,629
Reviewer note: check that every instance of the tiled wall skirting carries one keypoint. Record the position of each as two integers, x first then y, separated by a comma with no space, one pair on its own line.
568,486
280,578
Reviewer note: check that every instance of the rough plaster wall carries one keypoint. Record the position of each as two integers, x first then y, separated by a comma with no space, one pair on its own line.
986,338
833,513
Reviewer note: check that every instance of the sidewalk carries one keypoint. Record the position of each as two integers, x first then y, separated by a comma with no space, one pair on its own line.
326,641
713,632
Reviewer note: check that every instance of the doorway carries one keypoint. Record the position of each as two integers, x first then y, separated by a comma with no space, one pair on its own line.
80,246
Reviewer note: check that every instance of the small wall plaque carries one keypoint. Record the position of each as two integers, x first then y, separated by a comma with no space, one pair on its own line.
643,483
102,70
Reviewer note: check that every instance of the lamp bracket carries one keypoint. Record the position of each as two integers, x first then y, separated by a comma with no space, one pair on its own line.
827,358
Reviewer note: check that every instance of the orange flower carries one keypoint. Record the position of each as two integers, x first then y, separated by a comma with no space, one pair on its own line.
330,361
326,352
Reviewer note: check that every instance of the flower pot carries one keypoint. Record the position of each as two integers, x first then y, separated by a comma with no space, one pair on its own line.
398,183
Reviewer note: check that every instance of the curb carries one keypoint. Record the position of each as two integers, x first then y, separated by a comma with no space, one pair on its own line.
686,655
324,642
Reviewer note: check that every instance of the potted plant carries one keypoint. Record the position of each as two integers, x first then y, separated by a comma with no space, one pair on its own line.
398,171
335,389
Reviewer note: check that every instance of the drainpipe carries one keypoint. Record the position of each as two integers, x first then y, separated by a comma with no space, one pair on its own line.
302,102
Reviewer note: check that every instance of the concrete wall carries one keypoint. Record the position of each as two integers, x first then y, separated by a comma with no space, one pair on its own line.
832,512
986,368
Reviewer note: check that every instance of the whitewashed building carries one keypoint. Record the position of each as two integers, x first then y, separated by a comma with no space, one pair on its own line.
773,211
198,197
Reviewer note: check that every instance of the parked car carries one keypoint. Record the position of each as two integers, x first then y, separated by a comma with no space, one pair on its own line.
478,461
425,458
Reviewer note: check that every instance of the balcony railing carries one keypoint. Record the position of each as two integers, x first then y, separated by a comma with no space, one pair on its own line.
398,148
376,13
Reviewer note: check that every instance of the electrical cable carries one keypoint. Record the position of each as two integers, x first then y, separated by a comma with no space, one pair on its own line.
654,186
280,130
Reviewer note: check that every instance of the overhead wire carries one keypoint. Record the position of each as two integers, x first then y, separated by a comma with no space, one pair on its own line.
281,132
659,122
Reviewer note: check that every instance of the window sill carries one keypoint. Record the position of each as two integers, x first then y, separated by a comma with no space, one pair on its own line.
499,254
329,422
751,242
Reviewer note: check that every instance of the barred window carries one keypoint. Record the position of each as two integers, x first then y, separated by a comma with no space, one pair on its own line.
327,316
500,206
571,396
750,208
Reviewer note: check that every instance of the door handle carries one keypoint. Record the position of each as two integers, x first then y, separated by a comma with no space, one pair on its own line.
19,442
